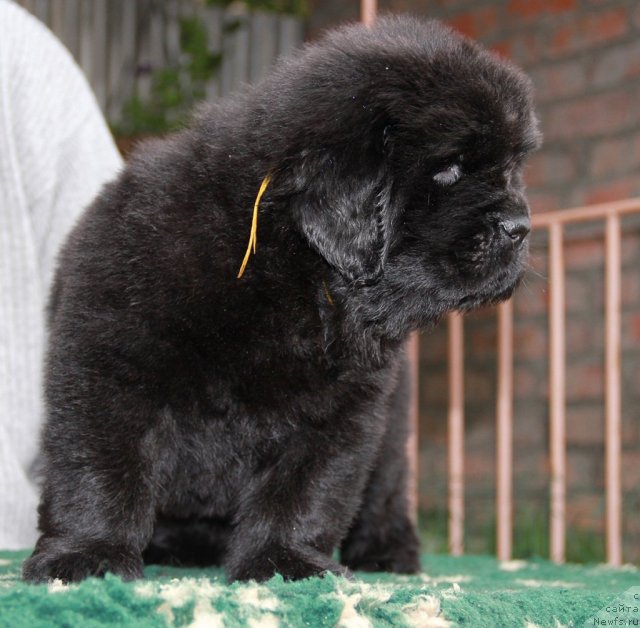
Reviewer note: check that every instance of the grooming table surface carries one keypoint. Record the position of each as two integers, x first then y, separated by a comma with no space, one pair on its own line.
469,591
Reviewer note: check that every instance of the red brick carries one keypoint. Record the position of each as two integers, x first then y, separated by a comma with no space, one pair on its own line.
538,262
530,426
548,168
584,253
434,387
633,330
619,155
479,465
433,462
583,337
631,291
447,3
528,463
585,382
631,471
630,427
560,80
503,49
585,425
485,313
612,67
542,201
476,23
433,346
584,469
400,6
624,187
581,296
630,254
525,383
483,341
588,31
480,386
530,342
481,434
586,511
531,9
527,48
595,115
611,155
531,299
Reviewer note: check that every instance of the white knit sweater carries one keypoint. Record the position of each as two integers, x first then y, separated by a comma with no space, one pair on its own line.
55,153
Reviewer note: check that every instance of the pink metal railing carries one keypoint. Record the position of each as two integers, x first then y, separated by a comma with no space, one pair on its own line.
554,222
368,12
456,434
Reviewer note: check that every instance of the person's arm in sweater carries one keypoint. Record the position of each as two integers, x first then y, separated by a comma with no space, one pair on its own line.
55,154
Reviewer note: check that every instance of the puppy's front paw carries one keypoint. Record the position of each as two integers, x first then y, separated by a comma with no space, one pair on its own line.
290,564
75,562
397,554
392,559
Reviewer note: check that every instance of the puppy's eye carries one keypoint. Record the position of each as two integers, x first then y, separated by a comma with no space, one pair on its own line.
449,175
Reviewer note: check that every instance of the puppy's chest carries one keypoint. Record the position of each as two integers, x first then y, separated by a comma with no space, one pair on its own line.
237,431
304,384
219,452
286,367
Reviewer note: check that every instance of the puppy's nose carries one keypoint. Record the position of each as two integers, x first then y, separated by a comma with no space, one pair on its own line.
517,229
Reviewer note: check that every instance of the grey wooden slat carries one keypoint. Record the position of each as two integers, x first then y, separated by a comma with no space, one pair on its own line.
86,40
127,74
116,56
241,58
235,59
56,18
264,44
228,50
212,17
41,10
290,36
172,30
100,56
143,57
188,10
71,26
119,43
156,21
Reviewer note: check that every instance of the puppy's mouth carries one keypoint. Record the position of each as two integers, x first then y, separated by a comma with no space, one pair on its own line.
491,272
497,289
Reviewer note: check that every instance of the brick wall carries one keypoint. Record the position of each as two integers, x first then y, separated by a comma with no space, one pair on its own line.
584,59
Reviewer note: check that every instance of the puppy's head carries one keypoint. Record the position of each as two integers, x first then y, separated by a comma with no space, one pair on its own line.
407,167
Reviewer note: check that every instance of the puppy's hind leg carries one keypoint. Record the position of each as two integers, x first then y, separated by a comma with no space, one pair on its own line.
383,536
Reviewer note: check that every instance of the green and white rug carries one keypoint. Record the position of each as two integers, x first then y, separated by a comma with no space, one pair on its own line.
476,591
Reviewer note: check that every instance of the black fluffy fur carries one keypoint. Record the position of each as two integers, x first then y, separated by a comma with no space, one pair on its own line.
260,422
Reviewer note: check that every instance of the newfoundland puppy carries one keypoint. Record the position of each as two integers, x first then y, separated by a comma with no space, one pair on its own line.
226,381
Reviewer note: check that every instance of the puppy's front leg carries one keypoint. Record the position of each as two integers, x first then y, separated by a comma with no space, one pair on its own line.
383,537
295,512
97,508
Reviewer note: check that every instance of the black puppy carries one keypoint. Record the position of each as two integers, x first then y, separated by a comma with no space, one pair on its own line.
200,412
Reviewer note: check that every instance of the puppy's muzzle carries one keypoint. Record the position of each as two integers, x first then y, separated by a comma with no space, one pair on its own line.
516,230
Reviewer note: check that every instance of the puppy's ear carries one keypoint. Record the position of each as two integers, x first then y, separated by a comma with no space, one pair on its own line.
346,216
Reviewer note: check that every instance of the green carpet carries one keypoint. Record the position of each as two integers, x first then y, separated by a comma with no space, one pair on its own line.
474,591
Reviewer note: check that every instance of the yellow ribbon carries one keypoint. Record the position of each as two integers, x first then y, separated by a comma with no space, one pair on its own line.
327,294
253,237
